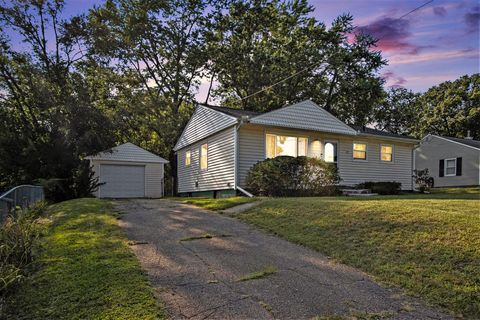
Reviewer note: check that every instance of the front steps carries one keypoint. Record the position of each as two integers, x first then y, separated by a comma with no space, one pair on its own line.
358,192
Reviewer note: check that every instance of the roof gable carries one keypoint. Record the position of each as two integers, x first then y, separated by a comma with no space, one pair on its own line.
128,152
304,115
204,122
469,143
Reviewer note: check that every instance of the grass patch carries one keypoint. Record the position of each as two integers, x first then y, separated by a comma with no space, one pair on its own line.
259,274
85,270
427,244
205,236
217,204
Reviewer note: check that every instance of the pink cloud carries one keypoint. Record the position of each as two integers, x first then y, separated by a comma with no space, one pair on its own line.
392,79
432,56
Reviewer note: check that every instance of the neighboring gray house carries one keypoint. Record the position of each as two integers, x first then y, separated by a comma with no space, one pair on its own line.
128,171
452,162
219,145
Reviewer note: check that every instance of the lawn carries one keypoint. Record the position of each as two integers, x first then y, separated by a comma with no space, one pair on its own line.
85,270
429,245
217,204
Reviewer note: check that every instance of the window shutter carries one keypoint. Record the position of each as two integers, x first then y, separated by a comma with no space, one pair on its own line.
441,168
459,166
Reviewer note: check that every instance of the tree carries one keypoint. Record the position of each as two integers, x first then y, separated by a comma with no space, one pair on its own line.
398,111
255,44
48,113
451,108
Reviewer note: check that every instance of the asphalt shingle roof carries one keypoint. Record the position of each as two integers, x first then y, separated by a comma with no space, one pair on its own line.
237,113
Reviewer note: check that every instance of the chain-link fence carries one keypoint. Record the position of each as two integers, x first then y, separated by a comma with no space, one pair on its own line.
20,196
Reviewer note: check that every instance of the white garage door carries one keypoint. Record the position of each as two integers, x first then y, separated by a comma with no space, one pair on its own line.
122,181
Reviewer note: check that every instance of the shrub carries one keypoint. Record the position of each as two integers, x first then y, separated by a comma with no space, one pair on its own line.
423,180
383,187
18,236
292,176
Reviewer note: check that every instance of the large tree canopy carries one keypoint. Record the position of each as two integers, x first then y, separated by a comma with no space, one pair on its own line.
256,44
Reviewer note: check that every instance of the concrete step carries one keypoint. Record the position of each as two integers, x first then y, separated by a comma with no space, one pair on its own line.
358,192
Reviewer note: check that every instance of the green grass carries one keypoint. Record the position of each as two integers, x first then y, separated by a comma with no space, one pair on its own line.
427,244
259,274
85,270
217,204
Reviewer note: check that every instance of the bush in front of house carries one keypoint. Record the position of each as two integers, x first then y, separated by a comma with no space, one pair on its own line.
423,180
382,187
285,176
18,235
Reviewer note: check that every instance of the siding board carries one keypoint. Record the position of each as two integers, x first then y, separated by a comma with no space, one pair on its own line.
220,174
252,150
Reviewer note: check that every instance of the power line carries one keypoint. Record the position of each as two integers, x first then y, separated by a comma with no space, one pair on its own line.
313,64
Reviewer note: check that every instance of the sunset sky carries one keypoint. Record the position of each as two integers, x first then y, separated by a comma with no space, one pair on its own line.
436,43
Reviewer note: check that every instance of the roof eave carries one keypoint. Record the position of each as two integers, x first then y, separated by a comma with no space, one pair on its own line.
405,139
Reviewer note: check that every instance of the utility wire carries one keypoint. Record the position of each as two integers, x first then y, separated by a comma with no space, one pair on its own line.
313,64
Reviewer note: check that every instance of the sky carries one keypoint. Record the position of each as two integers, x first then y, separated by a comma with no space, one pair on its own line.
436,43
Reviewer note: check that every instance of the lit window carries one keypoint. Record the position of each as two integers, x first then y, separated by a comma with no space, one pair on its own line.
316,149
450,167
204,156
360,151
302,147
386,153
330,152
285,146
188,158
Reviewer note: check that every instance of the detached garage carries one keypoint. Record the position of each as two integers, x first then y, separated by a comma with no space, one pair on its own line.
128,171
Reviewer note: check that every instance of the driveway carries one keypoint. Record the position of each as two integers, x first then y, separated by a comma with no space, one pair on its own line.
199,278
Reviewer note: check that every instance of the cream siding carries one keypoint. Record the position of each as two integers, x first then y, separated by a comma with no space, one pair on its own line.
220,173
432,149
203,123
252,149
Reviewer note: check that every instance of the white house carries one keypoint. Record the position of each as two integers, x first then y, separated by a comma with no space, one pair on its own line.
219,145
128,171
452,162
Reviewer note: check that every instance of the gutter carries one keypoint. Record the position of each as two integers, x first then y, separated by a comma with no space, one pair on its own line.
388,137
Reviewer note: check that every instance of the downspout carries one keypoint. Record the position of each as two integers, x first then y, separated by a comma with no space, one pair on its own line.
242,121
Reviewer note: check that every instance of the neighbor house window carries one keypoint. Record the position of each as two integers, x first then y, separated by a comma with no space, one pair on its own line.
204,156
285,146
450,167
360,151
188,157
386,152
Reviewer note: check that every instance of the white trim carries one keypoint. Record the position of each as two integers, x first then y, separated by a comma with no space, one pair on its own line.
446,139
445,168
366,151
334,142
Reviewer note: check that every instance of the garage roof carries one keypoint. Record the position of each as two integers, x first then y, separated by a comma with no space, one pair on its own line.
128,152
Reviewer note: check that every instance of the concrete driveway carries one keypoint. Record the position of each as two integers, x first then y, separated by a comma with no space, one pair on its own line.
199,278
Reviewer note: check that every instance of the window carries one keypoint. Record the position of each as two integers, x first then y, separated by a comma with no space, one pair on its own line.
450,167
204,156
386,152
285,146
188,157
359,151
330,152
316,149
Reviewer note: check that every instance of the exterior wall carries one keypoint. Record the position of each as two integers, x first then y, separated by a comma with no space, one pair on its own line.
220,174
154,174
429,153
203,123
251,144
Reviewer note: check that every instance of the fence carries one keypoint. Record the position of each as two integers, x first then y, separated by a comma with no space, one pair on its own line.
20,196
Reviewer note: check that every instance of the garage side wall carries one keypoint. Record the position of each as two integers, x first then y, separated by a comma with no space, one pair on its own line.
154,180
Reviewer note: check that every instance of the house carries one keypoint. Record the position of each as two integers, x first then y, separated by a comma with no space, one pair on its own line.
219,145
128,171
451,162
